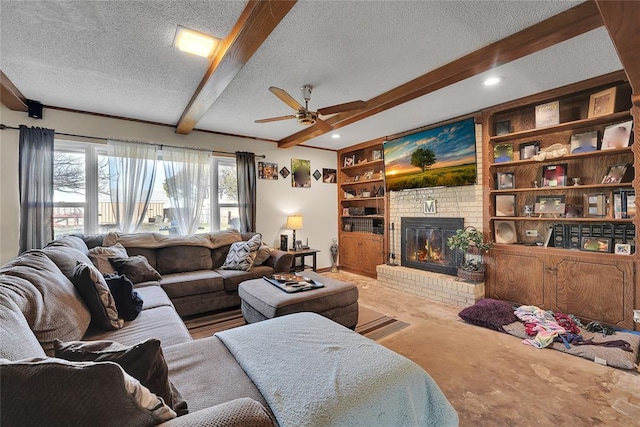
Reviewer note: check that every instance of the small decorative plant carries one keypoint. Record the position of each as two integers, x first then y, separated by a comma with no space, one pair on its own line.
472,243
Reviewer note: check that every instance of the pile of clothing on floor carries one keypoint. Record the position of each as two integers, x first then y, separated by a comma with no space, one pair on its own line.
545,327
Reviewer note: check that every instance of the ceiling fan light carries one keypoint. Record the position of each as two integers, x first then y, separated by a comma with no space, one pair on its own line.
194,42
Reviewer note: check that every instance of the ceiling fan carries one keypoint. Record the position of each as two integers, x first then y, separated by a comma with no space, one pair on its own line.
306,117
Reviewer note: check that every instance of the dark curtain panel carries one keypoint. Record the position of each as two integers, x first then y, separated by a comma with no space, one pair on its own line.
36,187
246,169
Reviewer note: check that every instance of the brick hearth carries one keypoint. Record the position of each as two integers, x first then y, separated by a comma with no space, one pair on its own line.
435,286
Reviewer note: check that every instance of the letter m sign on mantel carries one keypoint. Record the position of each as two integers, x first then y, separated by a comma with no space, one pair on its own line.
430,206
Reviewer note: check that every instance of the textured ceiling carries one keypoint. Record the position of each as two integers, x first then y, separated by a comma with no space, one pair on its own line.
115,57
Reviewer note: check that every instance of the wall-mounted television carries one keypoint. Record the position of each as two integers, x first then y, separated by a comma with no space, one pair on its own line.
444,156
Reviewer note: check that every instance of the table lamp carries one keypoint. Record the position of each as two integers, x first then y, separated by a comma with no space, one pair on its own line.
294,222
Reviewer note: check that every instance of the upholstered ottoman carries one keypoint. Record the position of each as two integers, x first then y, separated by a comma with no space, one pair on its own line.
337,300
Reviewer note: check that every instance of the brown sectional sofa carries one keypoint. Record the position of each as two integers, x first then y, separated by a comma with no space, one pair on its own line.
191,275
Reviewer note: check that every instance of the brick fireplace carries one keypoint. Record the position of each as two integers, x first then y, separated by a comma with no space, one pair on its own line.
424,244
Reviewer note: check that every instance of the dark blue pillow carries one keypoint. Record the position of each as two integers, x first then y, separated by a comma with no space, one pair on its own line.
128,302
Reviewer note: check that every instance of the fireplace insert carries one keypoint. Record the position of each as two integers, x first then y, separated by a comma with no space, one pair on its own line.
424,244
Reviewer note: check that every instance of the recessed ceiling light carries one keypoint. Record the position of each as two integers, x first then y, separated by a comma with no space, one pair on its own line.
335,136
194,42
492,81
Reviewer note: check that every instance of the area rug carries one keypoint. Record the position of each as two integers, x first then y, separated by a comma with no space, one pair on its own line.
371,324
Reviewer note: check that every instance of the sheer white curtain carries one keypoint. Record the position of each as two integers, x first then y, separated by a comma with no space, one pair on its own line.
187,176
132,172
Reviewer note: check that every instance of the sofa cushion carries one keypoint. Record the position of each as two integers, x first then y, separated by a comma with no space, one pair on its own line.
65,258
100,257
50,303
136,268
233,278
192,282
263,254
95,292
178,259
17,340
69,242
162,323
143,361
242,412
242,254
56,392
207,374
128,302
149,254
153,296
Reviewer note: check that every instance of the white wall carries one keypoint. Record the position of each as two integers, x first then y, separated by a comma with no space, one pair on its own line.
276,199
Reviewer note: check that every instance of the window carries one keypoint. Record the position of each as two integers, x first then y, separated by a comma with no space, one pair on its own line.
225,213
82,203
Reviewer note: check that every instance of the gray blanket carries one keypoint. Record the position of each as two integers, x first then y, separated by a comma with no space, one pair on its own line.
314,372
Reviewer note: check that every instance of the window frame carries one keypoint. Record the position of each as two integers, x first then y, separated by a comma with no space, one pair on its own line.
216,162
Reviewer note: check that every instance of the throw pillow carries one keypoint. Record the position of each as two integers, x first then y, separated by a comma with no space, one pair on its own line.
95,293
144,361
489,313
262,255
242,254
128,302
56,392
100,255
136,268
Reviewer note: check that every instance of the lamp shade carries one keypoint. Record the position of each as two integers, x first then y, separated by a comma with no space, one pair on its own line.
294,222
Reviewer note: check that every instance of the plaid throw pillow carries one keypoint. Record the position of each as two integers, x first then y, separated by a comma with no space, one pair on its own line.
242,254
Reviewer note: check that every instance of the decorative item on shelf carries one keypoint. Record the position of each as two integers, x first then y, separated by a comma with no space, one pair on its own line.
554,175
576,181
552,152
505,205
284,242
503,153
554,205
429,206
624,203
584,142
334,250
298,245
294,222
362,161
329,176
345,211
548,114
349,160
573,211
623,249
356,178
527,210
380,191
529,149
505,232
365,193
300,173
346,226
617,136
503,127
617,174
368,175
595,205
376,155
505,181
602,103
534,183
284,172
349,194
596,244
267,170
317,175
471,243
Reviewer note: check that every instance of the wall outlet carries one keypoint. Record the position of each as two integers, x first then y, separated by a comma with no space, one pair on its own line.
532,233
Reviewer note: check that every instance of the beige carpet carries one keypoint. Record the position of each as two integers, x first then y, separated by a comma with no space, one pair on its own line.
492,379
371,324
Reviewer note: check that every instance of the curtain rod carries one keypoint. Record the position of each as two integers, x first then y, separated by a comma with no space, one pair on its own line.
262,156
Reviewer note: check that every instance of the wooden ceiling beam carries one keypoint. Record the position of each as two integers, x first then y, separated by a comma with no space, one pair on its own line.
622,20
564,26
256,23
10,95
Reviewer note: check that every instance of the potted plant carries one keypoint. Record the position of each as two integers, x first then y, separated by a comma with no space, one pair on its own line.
471,242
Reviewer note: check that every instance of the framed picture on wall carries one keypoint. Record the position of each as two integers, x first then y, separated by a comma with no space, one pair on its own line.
329,176
300,173
267,170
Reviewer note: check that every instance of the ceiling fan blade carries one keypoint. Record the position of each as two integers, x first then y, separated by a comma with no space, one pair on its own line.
286,98
275,119
341,108
324,126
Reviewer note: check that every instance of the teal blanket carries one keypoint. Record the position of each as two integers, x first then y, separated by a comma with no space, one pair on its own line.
314,372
